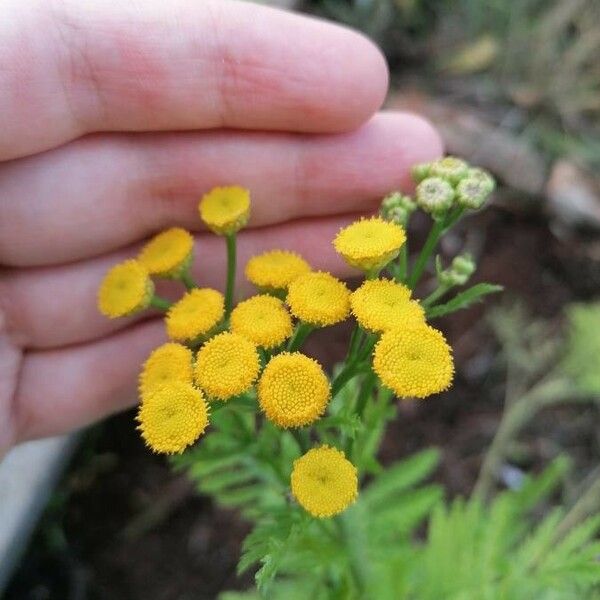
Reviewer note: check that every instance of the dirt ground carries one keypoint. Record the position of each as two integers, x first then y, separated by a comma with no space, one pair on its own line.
124,527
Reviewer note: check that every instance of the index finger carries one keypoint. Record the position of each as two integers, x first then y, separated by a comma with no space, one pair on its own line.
72,68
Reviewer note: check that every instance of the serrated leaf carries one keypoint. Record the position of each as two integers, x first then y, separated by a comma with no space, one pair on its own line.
463,299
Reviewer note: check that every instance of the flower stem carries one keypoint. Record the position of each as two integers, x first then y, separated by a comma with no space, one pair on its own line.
300,334
160,303
231,266
435,233
187,280
440,291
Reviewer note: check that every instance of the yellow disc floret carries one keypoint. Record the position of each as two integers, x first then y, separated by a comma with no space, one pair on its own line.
370,244
414,362
226,366
293,390
196,314
381,304
319,299
168,254
125,289
225,210
172,417
262,319
275,269
324,482
167,363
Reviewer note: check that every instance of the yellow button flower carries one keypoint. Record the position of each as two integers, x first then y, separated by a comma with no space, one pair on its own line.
324,482
225,210
414,362
381,304
125,289
262,319
172,417
167,363
275,269
196,314
226,366
168,254
370,244
293,390
319,299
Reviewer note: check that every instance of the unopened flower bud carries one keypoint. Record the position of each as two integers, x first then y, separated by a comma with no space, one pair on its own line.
462,267
472,192
434,195
450,168
420,172
483,176
397,207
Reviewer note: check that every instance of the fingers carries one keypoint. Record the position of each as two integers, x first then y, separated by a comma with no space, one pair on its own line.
103,192
62,390
76,67
51,307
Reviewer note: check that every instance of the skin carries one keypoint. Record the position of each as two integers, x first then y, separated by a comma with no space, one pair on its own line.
116,117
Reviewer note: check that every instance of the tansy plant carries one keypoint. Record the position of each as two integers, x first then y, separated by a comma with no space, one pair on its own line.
283,440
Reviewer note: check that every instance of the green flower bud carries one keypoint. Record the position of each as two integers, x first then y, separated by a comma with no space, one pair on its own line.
484,177
397,207
450,168
420,172
459,272
472,192
434,195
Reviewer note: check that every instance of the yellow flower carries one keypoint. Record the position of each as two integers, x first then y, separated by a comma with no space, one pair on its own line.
324,482
414,362
196,314
262,319
319,299
370,244
381,304
167,363
125,289
172,417
275,270
226,366
293,390
225,210
168,254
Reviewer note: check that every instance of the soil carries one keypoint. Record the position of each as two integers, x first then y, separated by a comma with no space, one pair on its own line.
124,527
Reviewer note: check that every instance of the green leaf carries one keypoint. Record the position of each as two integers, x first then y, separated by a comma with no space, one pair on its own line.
464,299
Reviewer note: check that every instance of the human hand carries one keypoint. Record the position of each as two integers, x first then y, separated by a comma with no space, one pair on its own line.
115,118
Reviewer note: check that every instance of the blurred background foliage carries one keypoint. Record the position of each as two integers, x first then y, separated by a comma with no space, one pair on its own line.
532,65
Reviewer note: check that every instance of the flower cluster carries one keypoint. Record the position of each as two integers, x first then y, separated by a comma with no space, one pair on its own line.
219,351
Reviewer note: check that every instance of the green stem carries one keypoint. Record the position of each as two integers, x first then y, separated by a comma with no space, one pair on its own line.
302,438
402,263
302,331
440,291
231,266
435,233
187,280
160,303
365,392
355,343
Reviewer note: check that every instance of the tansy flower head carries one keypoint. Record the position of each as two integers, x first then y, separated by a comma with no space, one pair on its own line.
196,314
225,210
167,363
472,192
414,362
324,482
125,289
275,270
318,299
262,319
370,244
172,417
226,366
381,304
293,390
168,254
434,195
450,168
